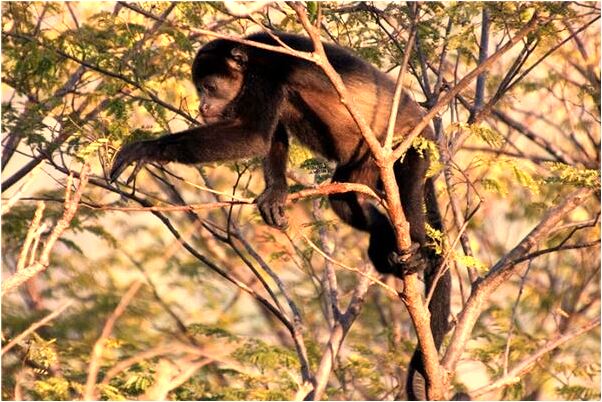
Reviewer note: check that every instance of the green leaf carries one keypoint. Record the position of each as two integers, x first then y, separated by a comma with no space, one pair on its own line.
472,262
573,175
525,179
52,388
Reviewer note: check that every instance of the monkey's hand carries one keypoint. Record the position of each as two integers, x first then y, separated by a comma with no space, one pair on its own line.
271,205
411,261
138,152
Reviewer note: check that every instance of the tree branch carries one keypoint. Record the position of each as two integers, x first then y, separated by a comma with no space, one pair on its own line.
71,205
38,324
527,364
94,366
502,271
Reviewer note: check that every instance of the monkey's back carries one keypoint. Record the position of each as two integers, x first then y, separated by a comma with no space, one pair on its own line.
312,110
371,91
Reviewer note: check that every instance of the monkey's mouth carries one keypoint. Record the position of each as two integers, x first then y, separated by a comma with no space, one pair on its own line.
210,118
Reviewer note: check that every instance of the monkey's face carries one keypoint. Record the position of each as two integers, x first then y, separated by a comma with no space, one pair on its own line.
217,96
219,79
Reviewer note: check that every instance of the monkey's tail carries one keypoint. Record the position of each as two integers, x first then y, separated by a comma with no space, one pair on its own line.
439,306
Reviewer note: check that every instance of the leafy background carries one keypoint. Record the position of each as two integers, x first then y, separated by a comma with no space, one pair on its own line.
81,79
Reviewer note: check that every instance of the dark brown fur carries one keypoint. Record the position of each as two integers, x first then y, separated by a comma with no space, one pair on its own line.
254,99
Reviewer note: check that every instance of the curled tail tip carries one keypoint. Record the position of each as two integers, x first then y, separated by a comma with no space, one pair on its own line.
416,386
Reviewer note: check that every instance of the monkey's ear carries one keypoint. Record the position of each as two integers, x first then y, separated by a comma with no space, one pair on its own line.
238,58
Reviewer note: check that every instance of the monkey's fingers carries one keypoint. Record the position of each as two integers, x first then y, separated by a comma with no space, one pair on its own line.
137,167
116,170
273,216
279,216
409,262
272,212
129,153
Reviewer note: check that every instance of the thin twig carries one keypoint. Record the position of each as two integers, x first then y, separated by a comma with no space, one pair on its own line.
31,176
32,233
374,280
95,359
399,88
33,327
71,205
521,288
323,190
524,366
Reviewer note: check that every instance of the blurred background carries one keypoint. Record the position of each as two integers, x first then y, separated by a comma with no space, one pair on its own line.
212,303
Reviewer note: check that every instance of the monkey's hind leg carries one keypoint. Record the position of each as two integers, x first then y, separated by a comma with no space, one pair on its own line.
358,212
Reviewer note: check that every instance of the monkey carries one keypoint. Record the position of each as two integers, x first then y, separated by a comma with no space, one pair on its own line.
252,100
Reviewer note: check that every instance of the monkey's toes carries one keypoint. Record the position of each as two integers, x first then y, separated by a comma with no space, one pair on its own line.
272,209
409,262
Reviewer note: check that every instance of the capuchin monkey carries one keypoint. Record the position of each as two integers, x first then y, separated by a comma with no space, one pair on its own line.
253,99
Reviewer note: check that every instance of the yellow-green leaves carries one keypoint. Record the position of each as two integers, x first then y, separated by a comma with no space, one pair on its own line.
573,175
482,131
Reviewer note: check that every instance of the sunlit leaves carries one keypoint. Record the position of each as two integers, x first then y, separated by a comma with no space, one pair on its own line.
578,392
427,148
136,65
42,352
207,330
319,168
481,131
52,388
472,262
572,175
436,239
264,356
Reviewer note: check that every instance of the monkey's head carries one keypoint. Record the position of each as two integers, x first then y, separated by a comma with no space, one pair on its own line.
218,73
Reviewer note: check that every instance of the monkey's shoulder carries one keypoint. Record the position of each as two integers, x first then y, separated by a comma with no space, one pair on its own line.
344,60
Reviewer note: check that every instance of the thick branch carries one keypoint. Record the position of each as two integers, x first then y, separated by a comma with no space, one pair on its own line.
412,295
502,271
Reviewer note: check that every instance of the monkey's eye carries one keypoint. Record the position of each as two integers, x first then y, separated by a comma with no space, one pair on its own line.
209,87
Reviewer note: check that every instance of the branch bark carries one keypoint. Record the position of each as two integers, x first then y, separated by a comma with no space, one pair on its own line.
502,271
42,263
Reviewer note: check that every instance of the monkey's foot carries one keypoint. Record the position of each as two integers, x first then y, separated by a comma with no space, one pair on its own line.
411,261
271,204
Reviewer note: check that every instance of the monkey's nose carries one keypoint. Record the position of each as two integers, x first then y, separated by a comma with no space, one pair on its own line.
203,108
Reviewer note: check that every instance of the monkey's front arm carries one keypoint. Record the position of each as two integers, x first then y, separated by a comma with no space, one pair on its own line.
219,142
